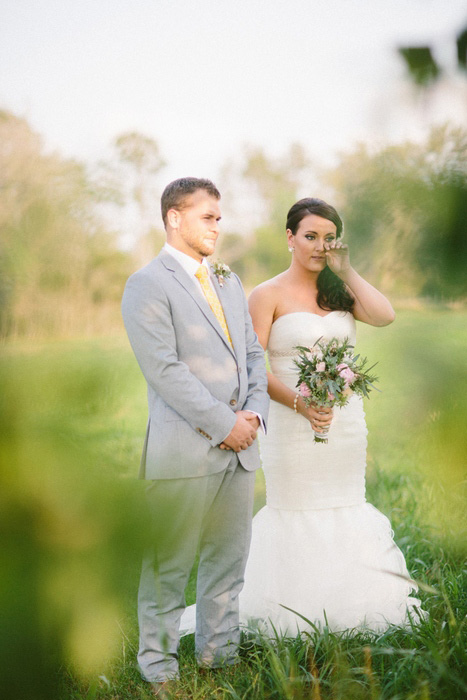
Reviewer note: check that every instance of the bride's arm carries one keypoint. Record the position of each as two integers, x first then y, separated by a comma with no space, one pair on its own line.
263,303
370,306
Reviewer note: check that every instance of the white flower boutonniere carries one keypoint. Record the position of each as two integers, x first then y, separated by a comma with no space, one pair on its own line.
222,271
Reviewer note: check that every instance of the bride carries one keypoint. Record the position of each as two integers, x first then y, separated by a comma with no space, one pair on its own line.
319,552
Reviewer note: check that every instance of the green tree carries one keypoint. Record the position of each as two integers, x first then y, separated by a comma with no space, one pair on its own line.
276,183
140,161
61,272
405,211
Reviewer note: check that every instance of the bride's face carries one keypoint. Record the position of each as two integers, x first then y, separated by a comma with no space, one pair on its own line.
308,243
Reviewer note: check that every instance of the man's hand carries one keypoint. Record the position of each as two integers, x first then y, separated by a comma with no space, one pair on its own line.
243,433
251,417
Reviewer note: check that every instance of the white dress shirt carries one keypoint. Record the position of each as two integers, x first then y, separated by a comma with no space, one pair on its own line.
190,265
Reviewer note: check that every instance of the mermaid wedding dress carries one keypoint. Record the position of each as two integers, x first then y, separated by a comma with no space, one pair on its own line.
319,551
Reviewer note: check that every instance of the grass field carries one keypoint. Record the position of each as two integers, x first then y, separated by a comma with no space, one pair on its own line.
73,417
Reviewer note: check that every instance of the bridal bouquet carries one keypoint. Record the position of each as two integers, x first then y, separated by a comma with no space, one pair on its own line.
329,374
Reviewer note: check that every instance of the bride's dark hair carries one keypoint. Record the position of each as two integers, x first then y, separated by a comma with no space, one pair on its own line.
332,293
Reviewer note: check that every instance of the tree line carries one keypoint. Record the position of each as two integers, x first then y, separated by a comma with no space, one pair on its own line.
70,234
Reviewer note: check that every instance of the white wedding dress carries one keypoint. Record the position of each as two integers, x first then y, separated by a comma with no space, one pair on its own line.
318,548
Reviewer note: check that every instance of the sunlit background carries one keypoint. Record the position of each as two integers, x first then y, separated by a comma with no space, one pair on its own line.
103,103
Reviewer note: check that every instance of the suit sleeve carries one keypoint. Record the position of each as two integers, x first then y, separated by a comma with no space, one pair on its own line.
257,398
148,322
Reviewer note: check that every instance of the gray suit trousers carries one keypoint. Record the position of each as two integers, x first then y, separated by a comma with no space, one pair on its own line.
213,512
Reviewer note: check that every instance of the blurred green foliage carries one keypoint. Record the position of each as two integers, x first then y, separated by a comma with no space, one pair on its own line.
405,210
72,422
73,529
417,424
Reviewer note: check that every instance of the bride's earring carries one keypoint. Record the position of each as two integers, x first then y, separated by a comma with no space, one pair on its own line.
291,250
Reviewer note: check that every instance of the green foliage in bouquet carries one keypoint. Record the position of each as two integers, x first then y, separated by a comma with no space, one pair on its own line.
329,373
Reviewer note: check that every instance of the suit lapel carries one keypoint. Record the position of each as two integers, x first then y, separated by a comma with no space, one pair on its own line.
193,289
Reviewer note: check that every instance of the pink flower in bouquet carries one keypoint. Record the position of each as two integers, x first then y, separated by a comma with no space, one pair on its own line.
328,375
346,373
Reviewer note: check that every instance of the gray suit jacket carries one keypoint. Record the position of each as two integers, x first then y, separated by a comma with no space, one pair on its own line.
196,381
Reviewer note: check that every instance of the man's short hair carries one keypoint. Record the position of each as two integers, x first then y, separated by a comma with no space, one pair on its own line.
174,195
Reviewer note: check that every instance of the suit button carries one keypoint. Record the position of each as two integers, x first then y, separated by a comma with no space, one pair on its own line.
239,370
233,402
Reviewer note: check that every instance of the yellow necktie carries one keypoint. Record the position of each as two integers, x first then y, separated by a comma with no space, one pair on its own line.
211,297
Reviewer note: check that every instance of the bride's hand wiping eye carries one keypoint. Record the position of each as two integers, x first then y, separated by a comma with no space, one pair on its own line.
337,256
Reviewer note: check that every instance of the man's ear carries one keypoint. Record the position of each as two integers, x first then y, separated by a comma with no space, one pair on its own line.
173,218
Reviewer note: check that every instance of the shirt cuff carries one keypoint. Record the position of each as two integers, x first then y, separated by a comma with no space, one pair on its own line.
260,417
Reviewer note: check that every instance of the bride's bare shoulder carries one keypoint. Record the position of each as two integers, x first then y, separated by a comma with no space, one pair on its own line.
268,292
264,302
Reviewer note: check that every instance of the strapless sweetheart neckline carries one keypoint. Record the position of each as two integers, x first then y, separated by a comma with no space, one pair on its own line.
310,313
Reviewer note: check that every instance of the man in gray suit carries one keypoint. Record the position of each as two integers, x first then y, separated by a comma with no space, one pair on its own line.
207,394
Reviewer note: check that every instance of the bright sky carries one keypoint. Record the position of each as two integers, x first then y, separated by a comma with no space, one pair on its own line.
203,78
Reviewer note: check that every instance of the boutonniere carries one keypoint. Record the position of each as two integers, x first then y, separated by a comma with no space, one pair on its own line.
222,272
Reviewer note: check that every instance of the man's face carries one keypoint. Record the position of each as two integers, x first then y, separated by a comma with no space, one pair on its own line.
195,228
